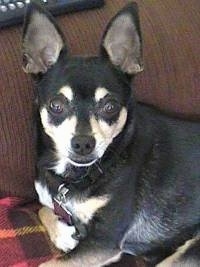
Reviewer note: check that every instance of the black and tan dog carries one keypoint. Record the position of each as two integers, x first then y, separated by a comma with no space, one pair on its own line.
125,177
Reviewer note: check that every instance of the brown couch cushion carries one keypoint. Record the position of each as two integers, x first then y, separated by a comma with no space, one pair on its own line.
17,144
170,80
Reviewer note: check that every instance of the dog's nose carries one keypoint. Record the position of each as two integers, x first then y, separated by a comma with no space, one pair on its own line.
83,144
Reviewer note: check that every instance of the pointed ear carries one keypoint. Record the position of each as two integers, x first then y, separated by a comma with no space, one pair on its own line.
42,40
122,41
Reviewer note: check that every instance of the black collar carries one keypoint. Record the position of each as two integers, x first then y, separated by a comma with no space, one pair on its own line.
79,178
76,175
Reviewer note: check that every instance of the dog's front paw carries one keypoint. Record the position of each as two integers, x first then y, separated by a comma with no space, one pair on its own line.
53,263
59,232
62,262
63,239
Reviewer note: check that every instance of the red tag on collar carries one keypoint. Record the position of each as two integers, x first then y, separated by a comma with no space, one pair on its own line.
64,215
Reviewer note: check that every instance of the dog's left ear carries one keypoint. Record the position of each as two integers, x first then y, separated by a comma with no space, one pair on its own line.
42,40
122,41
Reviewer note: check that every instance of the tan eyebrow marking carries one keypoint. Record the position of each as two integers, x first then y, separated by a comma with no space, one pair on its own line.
67,92
100,93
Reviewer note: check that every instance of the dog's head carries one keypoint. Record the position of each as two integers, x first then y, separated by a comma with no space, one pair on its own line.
83,102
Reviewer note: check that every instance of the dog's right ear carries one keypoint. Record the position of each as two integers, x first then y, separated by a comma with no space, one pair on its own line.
42,40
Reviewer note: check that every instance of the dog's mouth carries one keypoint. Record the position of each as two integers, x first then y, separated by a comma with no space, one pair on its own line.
82,161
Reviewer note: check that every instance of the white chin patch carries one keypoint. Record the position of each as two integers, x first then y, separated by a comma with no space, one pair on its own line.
61,165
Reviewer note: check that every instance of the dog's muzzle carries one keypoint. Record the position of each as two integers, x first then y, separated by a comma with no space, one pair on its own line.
83,150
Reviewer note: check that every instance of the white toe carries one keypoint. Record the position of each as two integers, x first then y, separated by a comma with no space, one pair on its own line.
64,240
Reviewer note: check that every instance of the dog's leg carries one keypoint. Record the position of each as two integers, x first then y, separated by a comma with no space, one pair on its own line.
59,232
186,255
88,254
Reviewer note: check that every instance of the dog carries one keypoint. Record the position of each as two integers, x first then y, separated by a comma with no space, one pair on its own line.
115,176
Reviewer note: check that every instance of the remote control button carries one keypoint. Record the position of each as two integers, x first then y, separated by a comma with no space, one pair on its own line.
20,4
45,1
11,6
6,1
3,8
27,1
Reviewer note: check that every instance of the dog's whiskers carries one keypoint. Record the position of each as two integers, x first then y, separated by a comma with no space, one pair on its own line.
97,164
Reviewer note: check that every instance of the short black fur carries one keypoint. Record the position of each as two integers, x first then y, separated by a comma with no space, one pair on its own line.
151,170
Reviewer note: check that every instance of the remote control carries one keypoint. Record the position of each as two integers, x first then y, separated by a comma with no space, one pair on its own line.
12,11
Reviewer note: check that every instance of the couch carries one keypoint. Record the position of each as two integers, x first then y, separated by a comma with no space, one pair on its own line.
170,81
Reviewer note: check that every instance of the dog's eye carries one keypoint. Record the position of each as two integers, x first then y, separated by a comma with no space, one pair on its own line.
56,105
111,107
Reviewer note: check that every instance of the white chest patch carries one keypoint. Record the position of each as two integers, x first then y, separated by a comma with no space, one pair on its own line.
85,210
44,195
